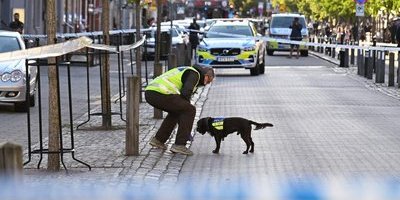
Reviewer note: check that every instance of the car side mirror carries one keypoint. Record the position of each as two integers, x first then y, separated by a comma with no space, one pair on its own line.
29,43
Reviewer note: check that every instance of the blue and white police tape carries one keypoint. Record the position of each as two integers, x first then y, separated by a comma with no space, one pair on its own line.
314,44
63,48
358,189
337,46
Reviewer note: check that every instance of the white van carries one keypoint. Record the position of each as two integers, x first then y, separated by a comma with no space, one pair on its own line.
279,29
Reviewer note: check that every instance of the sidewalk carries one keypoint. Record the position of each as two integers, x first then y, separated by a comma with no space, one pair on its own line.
104,151
370,83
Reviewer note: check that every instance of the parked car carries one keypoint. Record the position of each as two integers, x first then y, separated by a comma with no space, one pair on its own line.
13,74
178,37
232,43
279,29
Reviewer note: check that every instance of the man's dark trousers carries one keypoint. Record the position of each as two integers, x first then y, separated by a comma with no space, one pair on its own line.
180,112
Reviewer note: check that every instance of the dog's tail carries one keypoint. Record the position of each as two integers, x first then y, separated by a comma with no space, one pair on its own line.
260,125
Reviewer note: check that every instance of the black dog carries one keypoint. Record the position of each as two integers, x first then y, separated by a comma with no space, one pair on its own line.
219,128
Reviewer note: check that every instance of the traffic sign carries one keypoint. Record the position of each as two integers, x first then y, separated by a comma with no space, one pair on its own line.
361,1
360,10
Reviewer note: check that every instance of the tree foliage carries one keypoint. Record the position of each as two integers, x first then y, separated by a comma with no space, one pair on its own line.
342,10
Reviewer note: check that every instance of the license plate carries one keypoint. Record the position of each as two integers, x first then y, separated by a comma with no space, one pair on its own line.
284,46
226,59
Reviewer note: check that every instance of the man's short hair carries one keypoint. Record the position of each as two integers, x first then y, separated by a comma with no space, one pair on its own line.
209,71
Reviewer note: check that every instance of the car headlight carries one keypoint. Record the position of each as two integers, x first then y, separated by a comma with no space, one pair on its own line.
202,49
16,75
5,77
251,48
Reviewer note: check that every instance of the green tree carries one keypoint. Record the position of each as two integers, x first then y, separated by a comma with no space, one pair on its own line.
321,9
304,7
290,5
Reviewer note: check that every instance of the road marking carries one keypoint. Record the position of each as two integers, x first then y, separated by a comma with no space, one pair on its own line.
297,67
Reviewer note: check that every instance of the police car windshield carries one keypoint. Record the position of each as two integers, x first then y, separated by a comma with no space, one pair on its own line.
285,22
228,31
8,44
153,32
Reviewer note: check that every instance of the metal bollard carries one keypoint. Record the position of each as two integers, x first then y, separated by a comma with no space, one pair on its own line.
333,52
391,69
312,41
380,68
369,65
375,60
365,63
132,116
10,160
360,62
352,56
398,70
341,58
330,48
322,47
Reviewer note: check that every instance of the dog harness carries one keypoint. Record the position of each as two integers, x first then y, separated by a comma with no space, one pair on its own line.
218,123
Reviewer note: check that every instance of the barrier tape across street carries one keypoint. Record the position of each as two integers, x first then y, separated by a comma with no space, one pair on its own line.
66,47
84,41
343,46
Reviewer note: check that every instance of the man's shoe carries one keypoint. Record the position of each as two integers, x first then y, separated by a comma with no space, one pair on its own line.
156,143
181,149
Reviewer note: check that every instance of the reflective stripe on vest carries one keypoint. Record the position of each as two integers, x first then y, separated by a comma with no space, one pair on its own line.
218,123
171,81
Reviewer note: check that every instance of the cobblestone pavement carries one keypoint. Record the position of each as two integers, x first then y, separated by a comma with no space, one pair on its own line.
309,140
104,151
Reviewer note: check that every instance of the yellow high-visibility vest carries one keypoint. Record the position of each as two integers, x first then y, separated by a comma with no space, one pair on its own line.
171,81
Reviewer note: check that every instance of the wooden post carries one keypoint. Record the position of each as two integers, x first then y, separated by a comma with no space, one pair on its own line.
157,71
391,69
188,54
132,116
172,59
10,159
